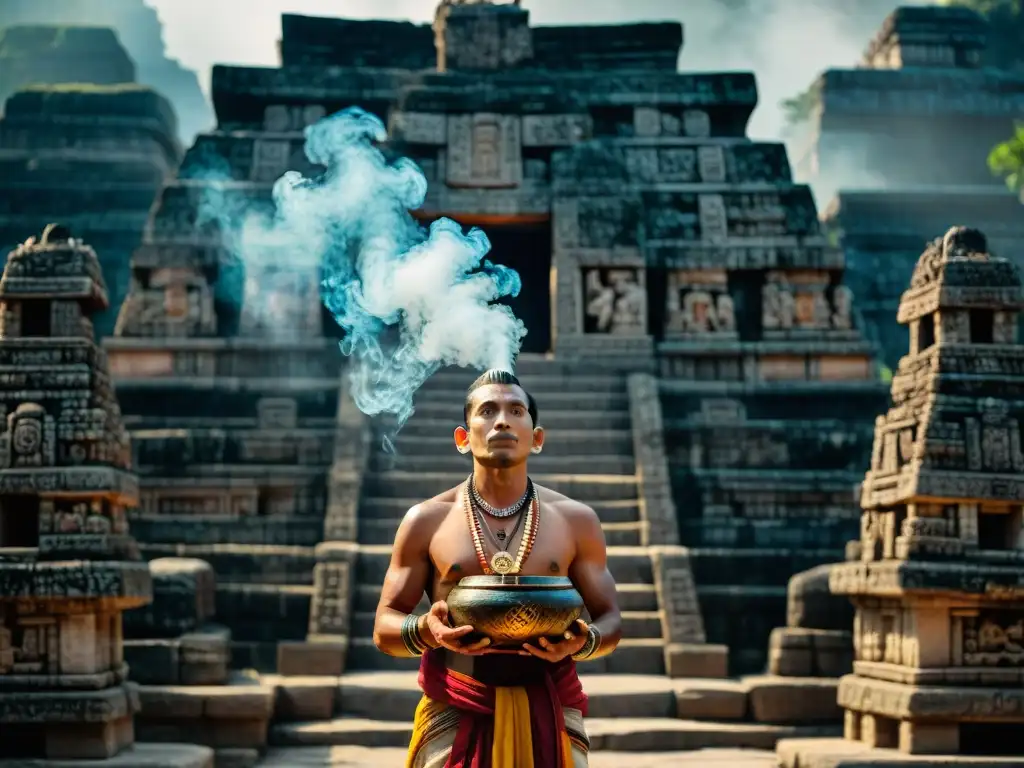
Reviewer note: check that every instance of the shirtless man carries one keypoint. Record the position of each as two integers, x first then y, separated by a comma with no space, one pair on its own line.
472,712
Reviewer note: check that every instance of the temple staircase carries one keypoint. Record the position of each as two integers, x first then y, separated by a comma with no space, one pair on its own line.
634,705
588,456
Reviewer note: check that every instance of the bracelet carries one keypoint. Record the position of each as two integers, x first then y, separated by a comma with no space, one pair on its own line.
411,638
590,646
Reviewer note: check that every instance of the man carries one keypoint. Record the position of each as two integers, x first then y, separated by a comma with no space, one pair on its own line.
483,707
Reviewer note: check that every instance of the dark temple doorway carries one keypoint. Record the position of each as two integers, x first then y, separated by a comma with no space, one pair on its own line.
525,246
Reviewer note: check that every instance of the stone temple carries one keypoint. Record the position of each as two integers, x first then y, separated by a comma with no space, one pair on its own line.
69,566
935,576
697,359
898,149
92,156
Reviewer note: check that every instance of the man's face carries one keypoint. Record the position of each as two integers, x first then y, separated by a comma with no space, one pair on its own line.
500,430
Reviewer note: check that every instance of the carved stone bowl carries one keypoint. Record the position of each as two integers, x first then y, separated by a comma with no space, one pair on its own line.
512,610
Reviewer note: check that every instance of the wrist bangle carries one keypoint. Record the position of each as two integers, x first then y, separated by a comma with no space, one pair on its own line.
411,636
590,646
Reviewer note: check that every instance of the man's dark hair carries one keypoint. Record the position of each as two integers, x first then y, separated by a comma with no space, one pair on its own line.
498,376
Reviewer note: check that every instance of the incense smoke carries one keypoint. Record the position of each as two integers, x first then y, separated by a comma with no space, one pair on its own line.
409,299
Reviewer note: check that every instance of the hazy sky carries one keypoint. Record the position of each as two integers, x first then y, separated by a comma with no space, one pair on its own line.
793,39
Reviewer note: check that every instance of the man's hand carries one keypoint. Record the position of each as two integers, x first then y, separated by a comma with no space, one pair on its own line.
575,639
449,637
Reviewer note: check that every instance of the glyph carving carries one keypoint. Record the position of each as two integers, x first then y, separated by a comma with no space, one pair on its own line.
484,151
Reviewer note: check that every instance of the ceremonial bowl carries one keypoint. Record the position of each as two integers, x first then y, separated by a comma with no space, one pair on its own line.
512,610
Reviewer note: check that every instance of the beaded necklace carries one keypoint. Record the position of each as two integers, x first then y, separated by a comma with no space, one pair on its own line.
498,512
502,562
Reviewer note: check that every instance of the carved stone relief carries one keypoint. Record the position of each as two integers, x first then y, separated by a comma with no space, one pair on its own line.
799,301
711,161
698,303
714,220
615,301
30,438
484,151
993,638
175,302
555,130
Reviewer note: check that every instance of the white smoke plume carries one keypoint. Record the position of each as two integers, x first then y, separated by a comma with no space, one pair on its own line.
410,299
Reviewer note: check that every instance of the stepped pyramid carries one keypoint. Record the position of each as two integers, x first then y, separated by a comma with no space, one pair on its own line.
936,575
232,415
69,566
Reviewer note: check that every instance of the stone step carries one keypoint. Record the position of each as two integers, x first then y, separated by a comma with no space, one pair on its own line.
422,424
244,563
449,460
394,757
264,612
382,531
632,597
635,734
598,443
587,488
643,656
381,508
448,403
536,383
628,565
635,624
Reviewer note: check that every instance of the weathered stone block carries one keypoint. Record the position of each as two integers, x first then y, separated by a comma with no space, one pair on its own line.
317,658
711,700
696,660
793,700
303,698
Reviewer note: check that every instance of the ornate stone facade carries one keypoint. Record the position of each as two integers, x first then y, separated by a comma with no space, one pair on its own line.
231,398
68,564
935,575
918,94
92,156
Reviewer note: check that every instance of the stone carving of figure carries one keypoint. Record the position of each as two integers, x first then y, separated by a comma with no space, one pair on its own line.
842,303
698,312
619,305
600,301
630,304
778,307
726,313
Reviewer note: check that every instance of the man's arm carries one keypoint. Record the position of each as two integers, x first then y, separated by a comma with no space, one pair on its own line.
407,579
589,573
405,582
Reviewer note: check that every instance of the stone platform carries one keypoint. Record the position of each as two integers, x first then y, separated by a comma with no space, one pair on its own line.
138,756
840,753
363,757
629,713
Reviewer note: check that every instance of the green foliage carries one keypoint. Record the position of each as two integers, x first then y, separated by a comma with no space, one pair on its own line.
1007,160
885,374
